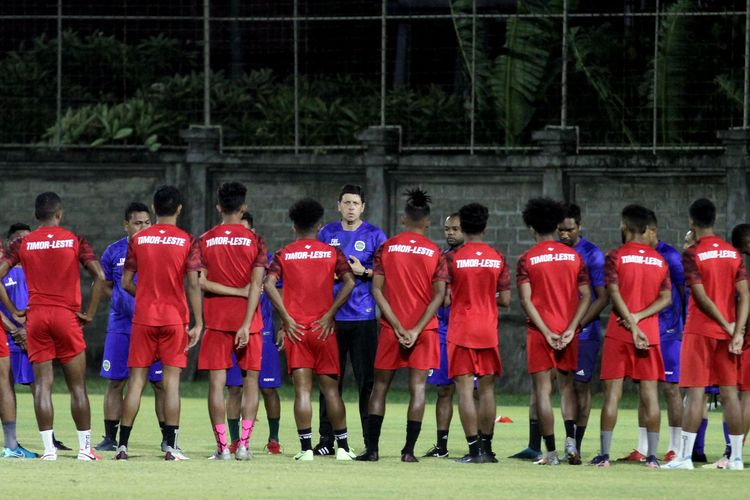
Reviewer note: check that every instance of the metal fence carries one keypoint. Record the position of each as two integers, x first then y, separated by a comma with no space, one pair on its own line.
463,75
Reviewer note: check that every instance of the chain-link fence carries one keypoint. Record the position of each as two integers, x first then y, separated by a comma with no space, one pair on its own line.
464,75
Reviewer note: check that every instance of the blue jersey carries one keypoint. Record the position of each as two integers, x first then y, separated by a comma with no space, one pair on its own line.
266,308
122,304
18,292
594,260
362,244
671,320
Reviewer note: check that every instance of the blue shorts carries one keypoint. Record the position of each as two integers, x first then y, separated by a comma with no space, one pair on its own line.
439,376
712,389
588,354
270,368
234,374
115,359
670,354
23,372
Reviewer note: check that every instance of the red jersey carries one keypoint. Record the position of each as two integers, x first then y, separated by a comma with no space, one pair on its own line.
411,263
554,271
308,269
50,256
641,273
477,273
162,255
230,253
717,266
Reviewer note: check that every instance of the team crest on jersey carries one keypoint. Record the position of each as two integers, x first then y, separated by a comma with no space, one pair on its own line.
121,262
161,231
359,245
308,247
49,236
479,253
11,282
334,242
227,232
106,365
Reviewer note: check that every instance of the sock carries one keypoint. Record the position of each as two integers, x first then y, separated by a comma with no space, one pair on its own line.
247,431
736,444
485,441
170,432
9,435
549,442
273,429
700,439
220,434
642,440
84,440
687,443
48,440
580,431
473,442
110,429
535,435
305,438
605,440
342,439
161,425
653,443
374,424
125,435
570,429
442,440
413,428
234,428
727,441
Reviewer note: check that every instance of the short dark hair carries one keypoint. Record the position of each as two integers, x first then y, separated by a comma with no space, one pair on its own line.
46,205
352,189
652,221
740,233
305,213
417,204
246,216
636,218
166,201
231,196
703,212
18,226
454,214
135,206
573,211
473,218
543,214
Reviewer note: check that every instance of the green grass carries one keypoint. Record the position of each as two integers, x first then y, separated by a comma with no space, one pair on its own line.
146,475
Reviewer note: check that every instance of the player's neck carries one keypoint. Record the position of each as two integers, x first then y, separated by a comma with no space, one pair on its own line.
702,232
312,235
50,223
231,218
170,220
351,226
474,238
641,240
414,229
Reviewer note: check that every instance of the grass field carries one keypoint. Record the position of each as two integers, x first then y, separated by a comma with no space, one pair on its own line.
146,475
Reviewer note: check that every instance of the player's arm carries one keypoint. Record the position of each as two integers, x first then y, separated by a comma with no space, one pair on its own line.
503,298
378,282
107,288
219,289
128,282
532,313
596,273
743,308
596,306
254,289
194,299
96,272
705,304
17,332
9,305
438,292
628,320
290,327
325,325
584,291
663,300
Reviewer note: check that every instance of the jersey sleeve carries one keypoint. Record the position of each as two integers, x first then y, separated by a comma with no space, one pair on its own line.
194,260
12,257
690,267
275,268
522,272
503,279
261,260
107,264
676,270
85,250
741,272
131,261
666,283
449,257
441,271
377,262
595,267
342,265
610,269
583,275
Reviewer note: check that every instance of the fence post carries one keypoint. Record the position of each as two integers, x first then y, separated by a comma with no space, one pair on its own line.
382,147
557,144
735,160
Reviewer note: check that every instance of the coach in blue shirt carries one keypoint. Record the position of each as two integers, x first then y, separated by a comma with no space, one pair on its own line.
356,323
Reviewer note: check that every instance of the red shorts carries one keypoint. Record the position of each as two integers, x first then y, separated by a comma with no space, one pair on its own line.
621,359
707,361
320,355
467,361
744,374
53,333
541,357
151,343
423,355
217,347
4,347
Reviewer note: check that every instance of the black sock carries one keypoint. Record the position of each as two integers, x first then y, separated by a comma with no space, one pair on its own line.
486,443
442,440
273,429
342,439
473,445
170,435
580,431
549,442
413,427
570,428
305,438
124,435
535,435
374,424
161,425
110,429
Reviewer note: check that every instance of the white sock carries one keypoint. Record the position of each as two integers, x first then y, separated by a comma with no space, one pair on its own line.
642,440
686,447
49,443
84,440
736,441
675,433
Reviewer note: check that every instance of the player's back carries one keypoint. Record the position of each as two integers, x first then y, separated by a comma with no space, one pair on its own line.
410,263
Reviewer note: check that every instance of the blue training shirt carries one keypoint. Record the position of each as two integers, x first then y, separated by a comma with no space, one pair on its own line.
594,260
18,292
362,244
671,321
122,304
266,308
